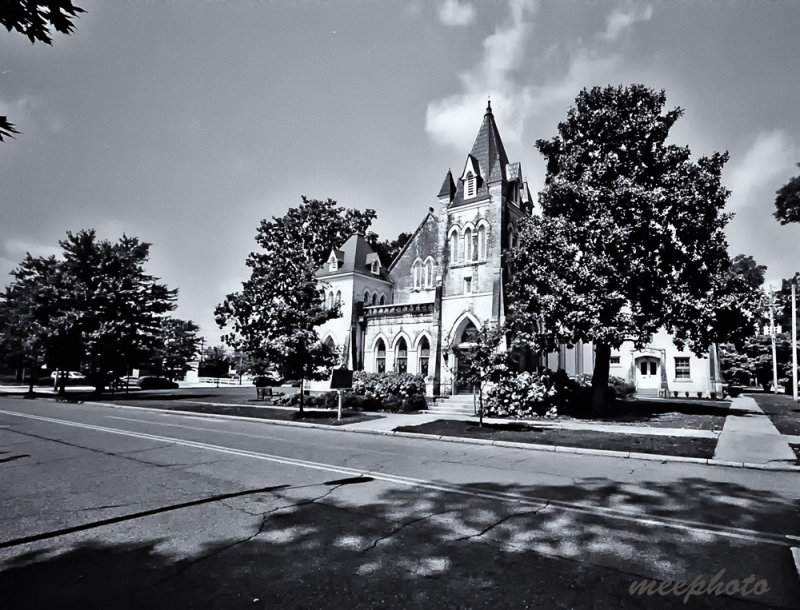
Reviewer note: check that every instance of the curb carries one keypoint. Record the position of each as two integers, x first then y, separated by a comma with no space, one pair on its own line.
653,457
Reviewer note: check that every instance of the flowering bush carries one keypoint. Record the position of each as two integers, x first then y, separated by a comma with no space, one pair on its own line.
522,395
392,391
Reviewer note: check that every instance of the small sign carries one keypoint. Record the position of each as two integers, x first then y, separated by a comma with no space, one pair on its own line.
342,379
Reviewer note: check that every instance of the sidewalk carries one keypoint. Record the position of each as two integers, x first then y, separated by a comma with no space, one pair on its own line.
749,436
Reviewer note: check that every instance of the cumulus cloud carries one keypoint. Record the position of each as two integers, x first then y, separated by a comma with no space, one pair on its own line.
456,14
757,174
451,120
622,19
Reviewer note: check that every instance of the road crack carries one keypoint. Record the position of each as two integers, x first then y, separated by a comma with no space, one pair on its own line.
503,520
402,527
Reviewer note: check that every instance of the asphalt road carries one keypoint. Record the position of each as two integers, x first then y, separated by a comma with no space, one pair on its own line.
126,508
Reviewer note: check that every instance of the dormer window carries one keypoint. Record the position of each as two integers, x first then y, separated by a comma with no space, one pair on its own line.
469,177
333,262
376,267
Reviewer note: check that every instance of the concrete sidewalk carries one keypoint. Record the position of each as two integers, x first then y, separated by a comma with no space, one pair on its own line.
749,436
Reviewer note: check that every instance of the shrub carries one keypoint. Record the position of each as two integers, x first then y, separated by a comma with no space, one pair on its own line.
522,395
622,389
156,383
390,391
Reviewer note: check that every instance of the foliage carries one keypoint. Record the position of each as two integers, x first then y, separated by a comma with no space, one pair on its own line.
388,249
483,362
95,307
382,386
630,238
522,395
34,18
216,362
276,314
787,201
178,344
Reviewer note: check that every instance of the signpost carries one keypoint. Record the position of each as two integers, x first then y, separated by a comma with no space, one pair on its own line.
341,379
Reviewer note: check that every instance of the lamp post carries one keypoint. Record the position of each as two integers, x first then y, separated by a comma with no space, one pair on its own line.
772,337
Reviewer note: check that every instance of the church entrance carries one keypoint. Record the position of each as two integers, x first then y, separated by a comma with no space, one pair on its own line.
466,343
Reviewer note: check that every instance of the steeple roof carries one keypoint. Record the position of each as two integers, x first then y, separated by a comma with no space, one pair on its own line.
488,149
448,187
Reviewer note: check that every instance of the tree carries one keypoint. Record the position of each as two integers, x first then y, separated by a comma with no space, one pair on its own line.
482,360
276,314
178,344
630,237
388,249
216,362
29,310
34,19
787,202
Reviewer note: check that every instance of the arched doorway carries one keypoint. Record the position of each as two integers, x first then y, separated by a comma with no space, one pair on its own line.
465,345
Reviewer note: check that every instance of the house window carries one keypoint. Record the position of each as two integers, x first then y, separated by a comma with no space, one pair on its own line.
424,356
468,245
467,285
682,370
482,242
366,298
453,246
383,299
338,297
376,267
470,190
401,360
333,263
380,358
614,361
375,299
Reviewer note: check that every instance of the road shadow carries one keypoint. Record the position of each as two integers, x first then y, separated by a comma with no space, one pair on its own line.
359,544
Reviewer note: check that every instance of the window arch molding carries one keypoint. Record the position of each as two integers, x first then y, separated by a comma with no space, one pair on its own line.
416,274
428,267
454,237
483,236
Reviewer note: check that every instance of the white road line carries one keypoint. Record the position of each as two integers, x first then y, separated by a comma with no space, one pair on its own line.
544,503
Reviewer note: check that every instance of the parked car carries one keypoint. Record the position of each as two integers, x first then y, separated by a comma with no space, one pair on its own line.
71,377
157,383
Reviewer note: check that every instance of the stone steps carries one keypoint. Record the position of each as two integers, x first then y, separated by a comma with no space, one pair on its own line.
454,405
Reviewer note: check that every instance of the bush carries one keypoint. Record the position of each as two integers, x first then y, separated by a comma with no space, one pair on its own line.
622,389
389,391
522,395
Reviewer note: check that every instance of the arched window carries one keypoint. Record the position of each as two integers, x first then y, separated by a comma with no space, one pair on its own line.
401,358
468,245
482,242
375,299
338,297
330,300
383,299
428,273
329,342
512,236
380,358
470,333
416,274
366,297
453,246
424,356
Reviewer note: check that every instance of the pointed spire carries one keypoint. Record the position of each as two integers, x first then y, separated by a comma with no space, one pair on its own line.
448,187
489,107
488,149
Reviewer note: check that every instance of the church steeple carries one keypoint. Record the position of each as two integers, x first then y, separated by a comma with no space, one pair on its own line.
448,189
488,149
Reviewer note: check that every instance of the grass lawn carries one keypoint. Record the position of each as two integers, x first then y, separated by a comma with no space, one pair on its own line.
780,409
588,439
667,413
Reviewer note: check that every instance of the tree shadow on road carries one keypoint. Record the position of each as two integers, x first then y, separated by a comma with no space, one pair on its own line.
376,546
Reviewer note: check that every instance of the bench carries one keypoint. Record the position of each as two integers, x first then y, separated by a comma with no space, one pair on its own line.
263,392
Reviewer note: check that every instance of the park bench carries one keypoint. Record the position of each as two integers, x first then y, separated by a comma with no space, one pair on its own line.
263,392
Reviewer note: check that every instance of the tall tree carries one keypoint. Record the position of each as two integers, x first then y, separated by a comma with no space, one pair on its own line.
276,314
388,249
177,345
630,237
34,18
116,306
29,314
787,201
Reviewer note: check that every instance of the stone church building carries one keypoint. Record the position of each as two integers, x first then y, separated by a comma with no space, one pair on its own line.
448,281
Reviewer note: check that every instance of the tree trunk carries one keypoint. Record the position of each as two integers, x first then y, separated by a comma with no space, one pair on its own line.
602,364
480,405
31,382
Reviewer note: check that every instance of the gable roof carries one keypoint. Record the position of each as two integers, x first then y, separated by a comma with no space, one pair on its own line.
427,217
355,256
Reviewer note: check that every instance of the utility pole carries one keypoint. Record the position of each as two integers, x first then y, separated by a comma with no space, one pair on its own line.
772,336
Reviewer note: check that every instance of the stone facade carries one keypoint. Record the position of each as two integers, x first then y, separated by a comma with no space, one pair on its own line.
448,281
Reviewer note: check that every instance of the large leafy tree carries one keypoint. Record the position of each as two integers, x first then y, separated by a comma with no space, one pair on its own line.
30,314
34,19
630,237
177,345
787,201
276,314
388,249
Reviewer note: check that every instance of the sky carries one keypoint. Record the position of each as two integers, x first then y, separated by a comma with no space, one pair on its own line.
185,123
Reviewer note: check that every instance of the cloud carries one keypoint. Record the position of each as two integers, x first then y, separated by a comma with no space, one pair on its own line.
757,174
455,14
451,120
622,19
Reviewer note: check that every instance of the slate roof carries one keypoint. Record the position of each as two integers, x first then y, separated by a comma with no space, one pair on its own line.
356,255
448,187
490,153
